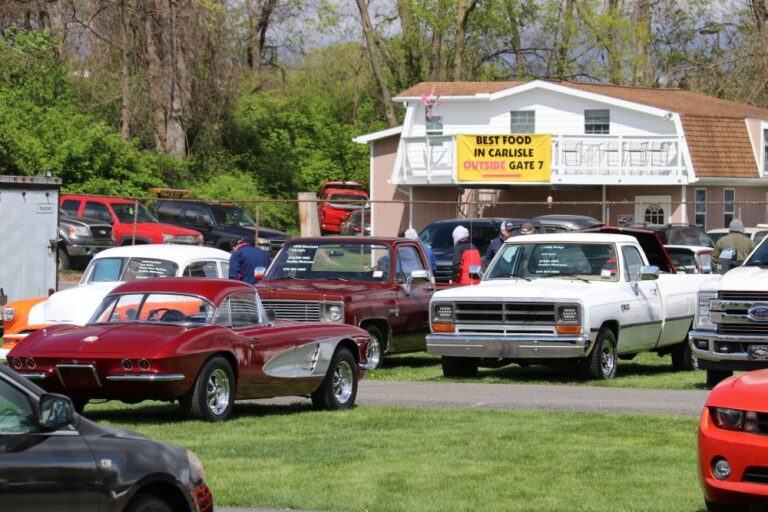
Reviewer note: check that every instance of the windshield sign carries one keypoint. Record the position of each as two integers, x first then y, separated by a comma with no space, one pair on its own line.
163,308
594,262
332,261
110,270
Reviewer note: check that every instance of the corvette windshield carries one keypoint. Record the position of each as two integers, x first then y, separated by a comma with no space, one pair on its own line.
586,261
110,270
165,308
332,261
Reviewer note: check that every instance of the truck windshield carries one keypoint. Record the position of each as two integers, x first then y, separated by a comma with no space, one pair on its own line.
227,215
127,211
332,261
590,261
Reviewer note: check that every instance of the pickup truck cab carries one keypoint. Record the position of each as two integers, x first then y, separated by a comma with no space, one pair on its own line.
731,328
336,200
121,214
588,298
380,284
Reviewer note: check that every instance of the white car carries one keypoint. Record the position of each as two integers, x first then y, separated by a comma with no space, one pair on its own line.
756,233
106,270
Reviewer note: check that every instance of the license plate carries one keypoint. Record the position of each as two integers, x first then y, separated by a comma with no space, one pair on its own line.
757,352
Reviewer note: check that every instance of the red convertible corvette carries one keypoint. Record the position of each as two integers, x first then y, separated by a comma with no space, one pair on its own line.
733,444
204,342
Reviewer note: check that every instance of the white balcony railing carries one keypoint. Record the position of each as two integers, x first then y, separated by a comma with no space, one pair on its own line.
576,159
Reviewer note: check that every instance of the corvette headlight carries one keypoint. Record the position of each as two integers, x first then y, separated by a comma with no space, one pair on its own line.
703,318
334,313
167,239
8,314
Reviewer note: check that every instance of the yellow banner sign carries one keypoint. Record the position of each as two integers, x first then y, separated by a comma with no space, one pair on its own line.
512,158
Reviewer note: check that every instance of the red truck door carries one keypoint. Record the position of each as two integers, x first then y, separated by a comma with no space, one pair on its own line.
411,324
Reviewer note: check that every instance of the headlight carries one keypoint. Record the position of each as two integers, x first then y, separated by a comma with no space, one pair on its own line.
263,243
735,419
334,313
703,317
199,239
196,471
442,313
8,314
167,239
568,319
76,231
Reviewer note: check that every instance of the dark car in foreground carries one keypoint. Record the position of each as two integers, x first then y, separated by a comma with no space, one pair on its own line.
203,342
733,447
439,236
53,459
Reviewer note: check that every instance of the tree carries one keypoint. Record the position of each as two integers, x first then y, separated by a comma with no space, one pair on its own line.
375,58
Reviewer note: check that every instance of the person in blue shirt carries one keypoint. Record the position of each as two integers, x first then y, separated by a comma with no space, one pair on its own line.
505,231
245,259
411,234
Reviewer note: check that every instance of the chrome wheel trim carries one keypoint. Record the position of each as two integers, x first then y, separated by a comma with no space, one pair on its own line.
607,358
217,392
373,351
343,382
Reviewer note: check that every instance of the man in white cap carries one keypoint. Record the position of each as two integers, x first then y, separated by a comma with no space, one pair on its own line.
411,234
735,239
465,255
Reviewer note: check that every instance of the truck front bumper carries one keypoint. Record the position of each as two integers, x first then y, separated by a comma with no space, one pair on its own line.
509,347
87,250
716,351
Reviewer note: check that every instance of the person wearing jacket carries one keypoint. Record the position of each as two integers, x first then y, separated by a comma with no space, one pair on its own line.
411,234
735,239
245,259
465,255
505,231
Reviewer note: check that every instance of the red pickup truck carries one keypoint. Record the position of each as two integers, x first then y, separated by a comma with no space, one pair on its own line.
122,213
383,285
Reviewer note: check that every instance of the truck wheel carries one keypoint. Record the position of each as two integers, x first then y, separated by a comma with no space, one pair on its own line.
461,367
715,376
682,358
339,387
64,263
376,347
602,361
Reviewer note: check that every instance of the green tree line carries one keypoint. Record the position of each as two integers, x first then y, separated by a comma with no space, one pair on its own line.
257,99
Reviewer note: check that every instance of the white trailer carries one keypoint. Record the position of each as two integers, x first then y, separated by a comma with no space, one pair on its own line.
29,219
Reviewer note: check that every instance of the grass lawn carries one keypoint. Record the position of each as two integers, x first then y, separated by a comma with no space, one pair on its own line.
400,459
647,370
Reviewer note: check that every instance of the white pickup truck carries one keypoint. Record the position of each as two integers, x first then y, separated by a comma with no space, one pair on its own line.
731,328
585,297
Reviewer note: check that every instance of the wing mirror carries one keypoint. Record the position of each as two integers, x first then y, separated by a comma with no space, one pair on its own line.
649,273
420,276
475,271
259,272
56,411
727,260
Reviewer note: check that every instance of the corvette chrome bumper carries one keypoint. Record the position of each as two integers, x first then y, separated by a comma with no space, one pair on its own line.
156,377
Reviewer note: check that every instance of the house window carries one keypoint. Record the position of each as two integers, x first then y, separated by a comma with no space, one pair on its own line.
729,205
523,121
701,208
597,121
434,125
654,214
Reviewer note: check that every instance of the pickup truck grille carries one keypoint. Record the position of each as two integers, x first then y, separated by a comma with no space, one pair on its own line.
301,311
505,317
731,312
101,232
443,273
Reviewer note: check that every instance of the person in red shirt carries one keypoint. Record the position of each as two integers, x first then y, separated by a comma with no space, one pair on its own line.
465,255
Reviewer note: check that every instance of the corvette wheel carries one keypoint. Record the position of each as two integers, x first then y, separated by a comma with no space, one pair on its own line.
213,395
339,387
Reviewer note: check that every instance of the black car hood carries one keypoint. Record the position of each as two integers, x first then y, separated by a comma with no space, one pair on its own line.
91,428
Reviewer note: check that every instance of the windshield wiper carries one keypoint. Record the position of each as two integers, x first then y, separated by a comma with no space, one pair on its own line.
291,277
569,276
336,279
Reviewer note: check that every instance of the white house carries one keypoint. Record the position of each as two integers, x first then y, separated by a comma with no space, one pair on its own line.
620,154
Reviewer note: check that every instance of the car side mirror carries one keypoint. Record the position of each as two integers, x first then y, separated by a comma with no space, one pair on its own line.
56,411
259,272
475,271
649,273
419,276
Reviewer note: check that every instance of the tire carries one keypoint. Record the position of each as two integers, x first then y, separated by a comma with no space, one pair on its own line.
461,367
723,507
682,358
376,346
212,397
64,262
602,361
147,503
714,377
339,387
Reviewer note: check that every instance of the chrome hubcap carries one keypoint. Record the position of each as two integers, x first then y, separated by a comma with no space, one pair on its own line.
373,351
217,392
607,359
343,382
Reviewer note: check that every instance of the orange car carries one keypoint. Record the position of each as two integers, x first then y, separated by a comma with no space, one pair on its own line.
733,443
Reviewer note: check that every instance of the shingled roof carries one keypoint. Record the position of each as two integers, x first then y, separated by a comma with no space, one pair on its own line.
715,129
